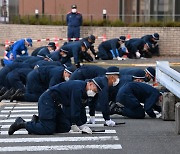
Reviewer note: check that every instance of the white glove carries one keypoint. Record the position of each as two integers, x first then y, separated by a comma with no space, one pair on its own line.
110,123
119,58
91,120
75,128
138,54
23,52
85,129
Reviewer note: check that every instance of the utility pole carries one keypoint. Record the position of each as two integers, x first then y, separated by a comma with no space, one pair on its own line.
5,10
42,7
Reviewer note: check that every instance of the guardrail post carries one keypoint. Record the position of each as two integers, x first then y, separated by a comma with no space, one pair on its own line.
177,118
168,106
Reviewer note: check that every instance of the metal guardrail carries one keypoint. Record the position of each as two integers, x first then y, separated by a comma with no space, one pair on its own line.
168,77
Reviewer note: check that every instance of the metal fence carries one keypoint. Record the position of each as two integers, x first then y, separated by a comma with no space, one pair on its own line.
93,19
168,77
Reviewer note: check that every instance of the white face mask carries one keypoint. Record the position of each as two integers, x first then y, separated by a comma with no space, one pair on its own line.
66,78
64,55
26,45
74,10
91,93
116,82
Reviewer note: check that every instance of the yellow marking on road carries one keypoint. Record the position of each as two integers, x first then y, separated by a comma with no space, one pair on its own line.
132,64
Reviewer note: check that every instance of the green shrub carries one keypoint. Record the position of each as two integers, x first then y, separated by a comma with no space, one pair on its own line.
172,24
137,24
60,20
117,23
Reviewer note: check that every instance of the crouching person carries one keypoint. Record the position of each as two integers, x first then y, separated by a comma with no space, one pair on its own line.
134,93
51,117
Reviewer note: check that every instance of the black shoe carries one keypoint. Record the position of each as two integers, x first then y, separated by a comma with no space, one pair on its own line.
34,118
18,92
115,109
111,103
18,97
3,90
7,94
18,124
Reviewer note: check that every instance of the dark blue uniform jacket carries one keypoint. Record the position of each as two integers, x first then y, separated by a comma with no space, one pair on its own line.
74,19
111,44
142,93
87,72
133,45
73,50
70,94
51,75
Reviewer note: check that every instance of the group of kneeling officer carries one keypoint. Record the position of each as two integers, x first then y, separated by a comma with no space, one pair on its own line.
63,90
61,107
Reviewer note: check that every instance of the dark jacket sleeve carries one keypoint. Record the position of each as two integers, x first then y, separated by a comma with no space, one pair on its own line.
76,106
150,102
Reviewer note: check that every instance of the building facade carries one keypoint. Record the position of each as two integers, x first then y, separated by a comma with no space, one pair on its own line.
128,11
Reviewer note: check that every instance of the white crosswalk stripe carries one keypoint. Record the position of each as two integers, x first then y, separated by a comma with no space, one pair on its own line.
89,125
25,110
21,107
58,139
61,147
19,111
108,131
12,120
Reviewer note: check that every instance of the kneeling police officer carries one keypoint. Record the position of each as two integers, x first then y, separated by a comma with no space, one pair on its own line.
51,118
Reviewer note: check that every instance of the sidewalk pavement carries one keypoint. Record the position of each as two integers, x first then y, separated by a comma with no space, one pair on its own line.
173,60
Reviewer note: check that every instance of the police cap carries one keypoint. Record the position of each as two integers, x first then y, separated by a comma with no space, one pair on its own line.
70,69
151,71
139,75
98,82
155,36
29,40
73,6
122,38
92,38
113,70
52,44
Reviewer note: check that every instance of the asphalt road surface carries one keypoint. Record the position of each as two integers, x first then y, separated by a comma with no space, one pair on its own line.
136,136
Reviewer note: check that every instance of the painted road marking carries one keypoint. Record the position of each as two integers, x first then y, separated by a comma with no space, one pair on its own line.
21,132
12,120
89,125
62,147
21,107
131,64
30,115
58,139
18,111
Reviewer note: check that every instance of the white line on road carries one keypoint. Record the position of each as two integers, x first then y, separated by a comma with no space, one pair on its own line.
17,111
89,125
19,132
62,147
21,107
58,139
12,120
17,115
30,115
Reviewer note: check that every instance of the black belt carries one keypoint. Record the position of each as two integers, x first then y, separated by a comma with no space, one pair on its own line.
73,26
